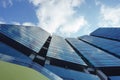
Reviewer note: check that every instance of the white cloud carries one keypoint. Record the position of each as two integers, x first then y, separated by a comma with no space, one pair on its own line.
28,24
7,3
75,3
59,15
73,27
37,2
110,16
16,23
2,22
98,2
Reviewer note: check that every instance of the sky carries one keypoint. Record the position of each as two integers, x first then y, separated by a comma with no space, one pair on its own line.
67,18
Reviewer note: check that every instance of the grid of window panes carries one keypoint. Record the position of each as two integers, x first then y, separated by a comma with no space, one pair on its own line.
60,49
113,33
95,56
31,64
68,74
106,44
31,37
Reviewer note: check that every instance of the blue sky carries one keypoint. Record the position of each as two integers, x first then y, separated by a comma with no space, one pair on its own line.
67,18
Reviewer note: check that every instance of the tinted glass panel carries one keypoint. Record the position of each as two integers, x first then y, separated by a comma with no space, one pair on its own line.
31,37
7,50
60,49
95,56
112,33
67,74
114,77
106,44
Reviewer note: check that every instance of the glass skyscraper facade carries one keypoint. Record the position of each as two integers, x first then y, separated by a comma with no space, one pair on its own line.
32,53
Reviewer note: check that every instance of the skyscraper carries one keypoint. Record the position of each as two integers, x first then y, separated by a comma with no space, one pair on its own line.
32,50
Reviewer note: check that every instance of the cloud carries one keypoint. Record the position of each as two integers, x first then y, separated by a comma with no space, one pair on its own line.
28,24
6,3
98,2
59,15
2,22
73,27
110,16
16,23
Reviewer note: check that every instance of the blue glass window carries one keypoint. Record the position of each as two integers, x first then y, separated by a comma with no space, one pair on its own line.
7,50
60,49
68,74
31,37
106,44
95,56
114,77
112,33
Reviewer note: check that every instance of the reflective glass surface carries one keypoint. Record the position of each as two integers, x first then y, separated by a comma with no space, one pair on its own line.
31,37
106,44
95,56
68,74
113,33
114,77
60,49
31,64
5,49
